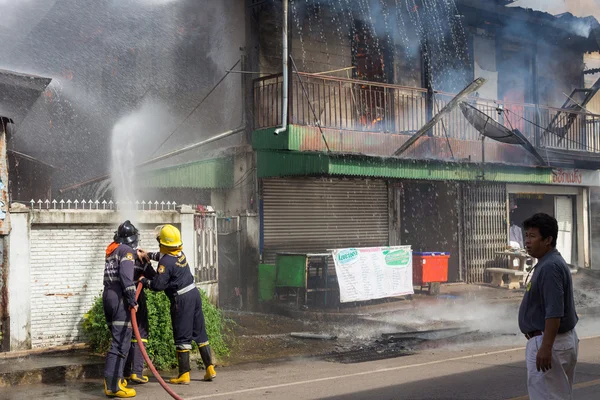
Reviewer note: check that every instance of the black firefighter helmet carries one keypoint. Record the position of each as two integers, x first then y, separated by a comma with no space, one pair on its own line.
127,233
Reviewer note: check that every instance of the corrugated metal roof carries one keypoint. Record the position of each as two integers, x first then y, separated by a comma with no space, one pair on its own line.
206,174
290,163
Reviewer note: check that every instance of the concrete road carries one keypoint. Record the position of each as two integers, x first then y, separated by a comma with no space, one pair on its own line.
468,374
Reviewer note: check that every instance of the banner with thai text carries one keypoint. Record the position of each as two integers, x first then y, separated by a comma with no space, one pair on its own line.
373,273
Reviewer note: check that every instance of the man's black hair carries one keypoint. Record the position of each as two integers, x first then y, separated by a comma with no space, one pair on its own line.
547,225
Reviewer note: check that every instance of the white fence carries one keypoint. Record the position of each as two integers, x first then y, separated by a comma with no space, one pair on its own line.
56,262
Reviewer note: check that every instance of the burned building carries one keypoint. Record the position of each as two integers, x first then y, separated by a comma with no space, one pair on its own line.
354,162
349,170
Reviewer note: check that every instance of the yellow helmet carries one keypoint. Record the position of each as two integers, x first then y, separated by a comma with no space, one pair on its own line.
169,236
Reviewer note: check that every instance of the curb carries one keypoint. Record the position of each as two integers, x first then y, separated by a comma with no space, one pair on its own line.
54,374
43,351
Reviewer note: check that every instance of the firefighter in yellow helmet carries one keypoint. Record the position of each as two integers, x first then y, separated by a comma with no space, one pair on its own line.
174,276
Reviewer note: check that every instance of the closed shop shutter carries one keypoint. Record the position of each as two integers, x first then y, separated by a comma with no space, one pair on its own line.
316,214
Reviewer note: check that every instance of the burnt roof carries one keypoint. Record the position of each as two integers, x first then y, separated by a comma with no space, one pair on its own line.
563,29
27,157
18,93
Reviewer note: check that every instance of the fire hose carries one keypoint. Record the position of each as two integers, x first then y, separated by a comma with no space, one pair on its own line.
136,331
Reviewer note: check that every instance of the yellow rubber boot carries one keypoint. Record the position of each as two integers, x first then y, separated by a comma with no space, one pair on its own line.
183,359
139,379
123,392
183,379
206,355
210,373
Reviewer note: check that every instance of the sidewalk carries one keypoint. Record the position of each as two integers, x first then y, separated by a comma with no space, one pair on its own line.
449,293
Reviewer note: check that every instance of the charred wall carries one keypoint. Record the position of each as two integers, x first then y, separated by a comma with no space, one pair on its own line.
430,217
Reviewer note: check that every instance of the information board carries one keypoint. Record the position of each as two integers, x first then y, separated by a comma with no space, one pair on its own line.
373,273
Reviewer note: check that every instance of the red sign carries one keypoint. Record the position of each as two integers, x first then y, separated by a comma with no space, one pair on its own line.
568,176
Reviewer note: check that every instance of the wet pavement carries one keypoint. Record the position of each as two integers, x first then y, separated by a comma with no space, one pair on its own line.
476,373
461,319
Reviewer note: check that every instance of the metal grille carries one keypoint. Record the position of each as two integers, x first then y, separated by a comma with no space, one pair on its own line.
206,243
317,214
484,231
229,231
228,225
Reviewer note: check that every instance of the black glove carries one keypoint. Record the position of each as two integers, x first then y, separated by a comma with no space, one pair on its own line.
145,282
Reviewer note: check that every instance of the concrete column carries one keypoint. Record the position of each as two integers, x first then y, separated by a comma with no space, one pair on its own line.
583,231
250,258
188,236
19,281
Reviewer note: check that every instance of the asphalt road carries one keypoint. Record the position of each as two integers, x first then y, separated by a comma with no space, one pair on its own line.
458,375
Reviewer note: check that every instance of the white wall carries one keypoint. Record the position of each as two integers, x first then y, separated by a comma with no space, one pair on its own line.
56,269
67,267
19,306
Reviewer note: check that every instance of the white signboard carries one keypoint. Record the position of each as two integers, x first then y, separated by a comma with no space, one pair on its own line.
575,177
373,273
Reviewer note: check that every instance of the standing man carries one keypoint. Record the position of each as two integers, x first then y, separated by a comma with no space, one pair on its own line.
547,315
175,278
118,300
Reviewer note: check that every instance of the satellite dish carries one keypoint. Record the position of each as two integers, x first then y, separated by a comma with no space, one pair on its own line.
490,128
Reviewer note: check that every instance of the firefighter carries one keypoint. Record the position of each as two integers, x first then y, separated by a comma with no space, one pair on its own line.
134,366
118,300
175,278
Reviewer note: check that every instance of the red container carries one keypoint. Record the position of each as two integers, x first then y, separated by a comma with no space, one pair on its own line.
430,267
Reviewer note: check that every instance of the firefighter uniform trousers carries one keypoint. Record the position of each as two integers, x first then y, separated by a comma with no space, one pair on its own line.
188,320
135,360
118,320
556,383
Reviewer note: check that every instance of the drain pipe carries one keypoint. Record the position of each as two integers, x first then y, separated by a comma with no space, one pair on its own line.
192,146
284,112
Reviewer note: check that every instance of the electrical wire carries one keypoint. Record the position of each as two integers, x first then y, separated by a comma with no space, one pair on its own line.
445,130
198,106
310,104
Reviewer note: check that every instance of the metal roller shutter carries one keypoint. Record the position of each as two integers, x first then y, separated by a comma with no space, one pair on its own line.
316,214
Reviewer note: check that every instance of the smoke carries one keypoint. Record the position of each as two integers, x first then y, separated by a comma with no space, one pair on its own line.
106,58
12,10
405,28
155,2
581,28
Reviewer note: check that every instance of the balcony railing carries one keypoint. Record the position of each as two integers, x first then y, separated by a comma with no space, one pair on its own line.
353,105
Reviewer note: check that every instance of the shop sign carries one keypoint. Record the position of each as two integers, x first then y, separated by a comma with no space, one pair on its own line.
575,177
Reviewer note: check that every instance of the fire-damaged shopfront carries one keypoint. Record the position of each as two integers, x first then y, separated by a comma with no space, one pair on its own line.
388,135
473,221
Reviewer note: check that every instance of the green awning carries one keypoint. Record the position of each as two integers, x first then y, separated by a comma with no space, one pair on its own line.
293,163
206,174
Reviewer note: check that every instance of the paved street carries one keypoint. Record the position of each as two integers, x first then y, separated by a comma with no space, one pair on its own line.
460,374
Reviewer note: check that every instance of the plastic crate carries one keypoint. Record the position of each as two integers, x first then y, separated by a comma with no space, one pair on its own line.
430,268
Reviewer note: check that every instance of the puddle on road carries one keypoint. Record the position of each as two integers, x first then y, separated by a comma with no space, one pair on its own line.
394,345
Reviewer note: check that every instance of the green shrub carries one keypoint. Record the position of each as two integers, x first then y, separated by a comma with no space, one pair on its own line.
160,347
